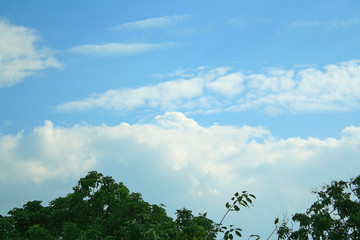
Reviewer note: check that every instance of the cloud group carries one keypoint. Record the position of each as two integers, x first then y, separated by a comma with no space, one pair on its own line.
20,57
172,145
274,91
118,48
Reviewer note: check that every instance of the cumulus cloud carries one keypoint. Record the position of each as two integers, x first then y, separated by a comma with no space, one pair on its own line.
20,56
46,153
336,87
172,141
158,22
117,48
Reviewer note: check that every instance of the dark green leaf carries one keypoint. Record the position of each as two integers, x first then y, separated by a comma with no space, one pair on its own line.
256,236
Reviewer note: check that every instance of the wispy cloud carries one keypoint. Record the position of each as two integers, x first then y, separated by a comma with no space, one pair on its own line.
117,48
274,91
327,25
245,22
19,56
158,22
181,73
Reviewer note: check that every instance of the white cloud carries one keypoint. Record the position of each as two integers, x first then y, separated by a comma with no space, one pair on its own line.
158,22
228,85
164,95
178,121
19,55
187,164
117,48
44,154
274,91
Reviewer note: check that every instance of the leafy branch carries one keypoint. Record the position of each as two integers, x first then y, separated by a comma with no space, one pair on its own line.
244,199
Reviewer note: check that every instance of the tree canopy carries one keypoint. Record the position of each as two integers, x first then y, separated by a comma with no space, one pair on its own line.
335,215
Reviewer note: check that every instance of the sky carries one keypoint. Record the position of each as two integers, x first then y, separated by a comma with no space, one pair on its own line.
186,102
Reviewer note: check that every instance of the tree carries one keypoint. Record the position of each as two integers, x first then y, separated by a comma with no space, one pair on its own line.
101,209
335,215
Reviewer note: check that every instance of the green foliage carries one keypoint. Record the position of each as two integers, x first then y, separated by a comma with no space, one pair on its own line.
70,231
37,232
190,227
335,215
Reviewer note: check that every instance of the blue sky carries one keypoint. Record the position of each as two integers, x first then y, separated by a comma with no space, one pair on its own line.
185,102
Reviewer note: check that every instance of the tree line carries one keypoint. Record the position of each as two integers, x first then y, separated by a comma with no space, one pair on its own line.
101,209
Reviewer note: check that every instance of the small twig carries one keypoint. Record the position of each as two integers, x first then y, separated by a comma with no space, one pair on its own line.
272,233
229,209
